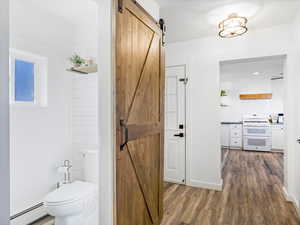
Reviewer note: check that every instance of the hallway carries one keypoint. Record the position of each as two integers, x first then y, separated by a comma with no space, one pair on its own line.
252,195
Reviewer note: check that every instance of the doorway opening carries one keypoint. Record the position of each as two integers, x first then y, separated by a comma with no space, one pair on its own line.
176,125
253,102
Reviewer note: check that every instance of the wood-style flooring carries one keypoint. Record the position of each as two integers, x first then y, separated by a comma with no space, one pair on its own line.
49,220
252,195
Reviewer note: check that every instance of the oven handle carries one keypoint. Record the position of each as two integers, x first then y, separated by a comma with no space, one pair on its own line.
257,126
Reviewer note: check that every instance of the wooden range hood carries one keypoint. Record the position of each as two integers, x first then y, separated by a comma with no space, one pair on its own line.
256,96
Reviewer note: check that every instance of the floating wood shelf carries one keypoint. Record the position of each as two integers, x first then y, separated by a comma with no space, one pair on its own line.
223,105
85,69
256,96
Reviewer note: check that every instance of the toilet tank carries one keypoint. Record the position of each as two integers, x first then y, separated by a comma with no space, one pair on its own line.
91,165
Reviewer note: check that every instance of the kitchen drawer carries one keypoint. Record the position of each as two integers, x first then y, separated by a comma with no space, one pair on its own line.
236,142
236,133
236,127
277,127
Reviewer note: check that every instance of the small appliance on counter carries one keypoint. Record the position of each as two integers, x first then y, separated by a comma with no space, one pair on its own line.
276,118
280,118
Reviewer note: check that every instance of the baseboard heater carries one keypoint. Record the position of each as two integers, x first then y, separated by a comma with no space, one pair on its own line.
26,211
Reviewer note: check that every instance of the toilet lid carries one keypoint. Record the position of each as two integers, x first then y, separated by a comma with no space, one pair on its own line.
71,192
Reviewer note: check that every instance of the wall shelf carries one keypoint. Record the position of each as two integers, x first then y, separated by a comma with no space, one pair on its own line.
256,96
223,105
85,69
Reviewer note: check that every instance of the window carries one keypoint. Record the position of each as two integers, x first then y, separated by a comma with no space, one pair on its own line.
24,81
28,78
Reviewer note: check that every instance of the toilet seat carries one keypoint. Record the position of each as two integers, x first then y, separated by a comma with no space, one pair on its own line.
70,193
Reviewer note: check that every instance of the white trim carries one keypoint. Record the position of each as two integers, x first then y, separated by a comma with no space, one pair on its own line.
188,117
173,181
30,216
4,114
289,120
106,102
187,123
290,198
206,185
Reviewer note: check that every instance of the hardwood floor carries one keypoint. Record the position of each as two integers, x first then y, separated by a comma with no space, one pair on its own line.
44,221
252,195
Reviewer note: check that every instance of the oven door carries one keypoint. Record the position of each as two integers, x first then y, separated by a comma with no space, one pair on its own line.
263,131
255,143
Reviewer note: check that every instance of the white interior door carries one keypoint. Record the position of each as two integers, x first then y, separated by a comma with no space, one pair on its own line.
175,127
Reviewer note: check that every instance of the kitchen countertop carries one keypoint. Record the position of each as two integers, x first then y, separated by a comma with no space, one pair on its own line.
240,122
237,122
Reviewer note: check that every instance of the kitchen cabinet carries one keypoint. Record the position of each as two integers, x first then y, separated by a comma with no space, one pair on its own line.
278,137
236,136
231,135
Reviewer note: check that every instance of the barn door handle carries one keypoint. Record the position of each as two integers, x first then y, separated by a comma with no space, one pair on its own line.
125,128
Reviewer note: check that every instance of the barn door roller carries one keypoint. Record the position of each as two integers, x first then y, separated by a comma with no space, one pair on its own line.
120,6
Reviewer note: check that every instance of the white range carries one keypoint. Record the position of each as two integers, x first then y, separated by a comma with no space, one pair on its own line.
257,133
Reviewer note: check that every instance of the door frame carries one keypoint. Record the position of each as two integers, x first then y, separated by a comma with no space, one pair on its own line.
4,115
188,130
289,118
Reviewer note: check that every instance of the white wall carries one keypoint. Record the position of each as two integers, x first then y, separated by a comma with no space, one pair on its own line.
84,100
4,113
235,86
84,119
105,104
294,182
40,136
202,57
151,7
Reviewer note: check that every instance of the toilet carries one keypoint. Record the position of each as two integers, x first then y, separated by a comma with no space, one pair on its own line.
77,203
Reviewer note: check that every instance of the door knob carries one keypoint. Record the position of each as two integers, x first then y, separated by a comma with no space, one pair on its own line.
179,135
298,140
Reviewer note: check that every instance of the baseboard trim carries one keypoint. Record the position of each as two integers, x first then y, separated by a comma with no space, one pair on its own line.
29,217
290,198
206,185
173,181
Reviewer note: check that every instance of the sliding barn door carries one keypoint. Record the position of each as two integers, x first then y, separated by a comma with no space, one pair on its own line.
140,116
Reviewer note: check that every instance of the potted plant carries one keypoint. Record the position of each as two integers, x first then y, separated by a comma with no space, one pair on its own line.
223,93
77,61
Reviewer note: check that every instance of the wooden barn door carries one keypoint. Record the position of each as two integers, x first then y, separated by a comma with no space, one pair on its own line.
139,116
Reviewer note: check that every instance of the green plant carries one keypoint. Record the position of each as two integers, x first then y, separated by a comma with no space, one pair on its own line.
223,93
77,60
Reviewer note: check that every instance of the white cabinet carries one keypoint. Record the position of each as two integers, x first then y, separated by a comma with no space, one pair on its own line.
277,137
231,136
225,135
236,134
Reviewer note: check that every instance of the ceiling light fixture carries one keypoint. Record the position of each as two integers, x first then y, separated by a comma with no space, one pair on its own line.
233,26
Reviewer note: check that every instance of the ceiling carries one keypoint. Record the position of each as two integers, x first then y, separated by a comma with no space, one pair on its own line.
73,11
191,19
266,67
